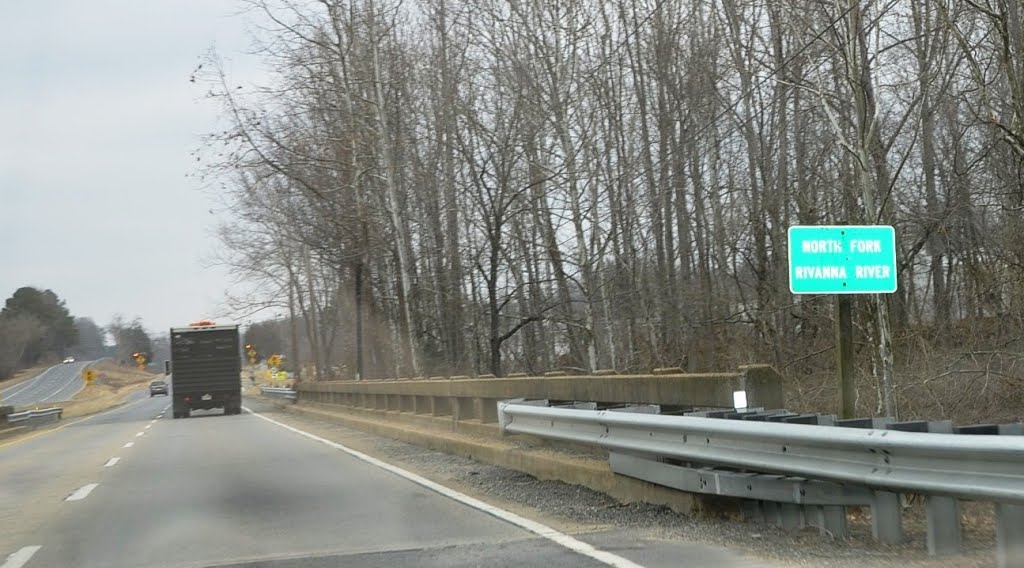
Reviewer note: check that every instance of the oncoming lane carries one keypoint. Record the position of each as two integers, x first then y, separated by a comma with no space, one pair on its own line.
60,382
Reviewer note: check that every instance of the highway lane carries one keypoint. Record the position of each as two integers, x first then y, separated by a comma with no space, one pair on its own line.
245,491
58,383
38,472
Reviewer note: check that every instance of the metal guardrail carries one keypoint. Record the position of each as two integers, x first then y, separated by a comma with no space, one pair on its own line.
34,417
975,467
855,462
278,392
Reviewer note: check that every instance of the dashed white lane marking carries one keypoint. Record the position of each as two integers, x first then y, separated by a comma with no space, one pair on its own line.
147,426
129,444
542,530
139,434
111,461
19,558
82,492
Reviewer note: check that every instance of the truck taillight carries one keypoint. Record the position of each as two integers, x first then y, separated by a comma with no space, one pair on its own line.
188,398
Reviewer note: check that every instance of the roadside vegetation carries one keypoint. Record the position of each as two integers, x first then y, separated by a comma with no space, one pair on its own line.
480,187
37,330
114,382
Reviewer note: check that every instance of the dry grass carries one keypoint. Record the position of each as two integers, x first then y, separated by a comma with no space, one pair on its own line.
112,385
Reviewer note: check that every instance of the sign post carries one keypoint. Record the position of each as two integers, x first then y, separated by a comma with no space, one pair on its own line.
844,356
843,260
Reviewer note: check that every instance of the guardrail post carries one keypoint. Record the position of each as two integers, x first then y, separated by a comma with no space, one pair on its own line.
943,525
944,533
829,519
887,518
1010,535
772,513
752,511
943,512
791,516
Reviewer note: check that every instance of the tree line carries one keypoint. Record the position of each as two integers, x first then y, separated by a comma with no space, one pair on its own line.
489,186
36,327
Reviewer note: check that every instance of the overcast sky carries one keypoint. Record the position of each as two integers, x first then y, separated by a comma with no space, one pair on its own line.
97,123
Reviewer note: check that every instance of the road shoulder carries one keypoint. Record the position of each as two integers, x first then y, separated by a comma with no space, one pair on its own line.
571,509
580,511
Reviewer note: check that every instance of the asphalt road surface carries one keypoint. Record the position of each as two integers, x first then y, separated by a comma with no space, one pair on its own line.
134,488
59,382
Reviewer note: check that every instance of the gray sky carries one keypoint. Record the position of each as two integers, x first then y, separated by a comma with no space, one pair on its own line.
97,123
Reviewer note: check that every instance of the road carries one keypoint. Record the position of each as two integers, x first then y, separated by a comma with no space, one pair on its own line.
58,383
132,487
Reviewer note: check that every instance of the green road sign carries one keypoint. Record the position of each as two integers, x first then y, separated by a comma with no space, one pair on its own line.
842,259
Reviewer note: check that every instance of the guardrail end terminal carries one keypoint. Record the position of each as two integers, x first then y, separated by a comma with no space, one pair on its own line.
504,419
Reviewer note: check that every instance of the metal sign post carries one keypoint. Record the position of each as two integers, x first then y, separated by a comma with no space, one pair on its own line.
843,260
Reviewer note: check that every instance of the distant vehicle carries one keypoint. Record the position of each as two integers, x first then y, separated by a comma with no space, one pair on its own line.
158,386
206,365
69,360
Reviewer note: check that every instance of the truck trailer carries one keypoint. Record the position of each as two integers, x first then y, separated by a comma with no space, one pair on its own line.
206,368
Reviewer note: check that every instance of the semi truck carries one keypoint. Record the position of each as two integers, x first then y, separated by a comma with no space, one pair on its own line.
206,368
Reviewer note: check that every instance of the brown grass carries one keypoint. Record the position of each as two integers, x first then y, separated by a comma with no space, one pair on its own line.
112,385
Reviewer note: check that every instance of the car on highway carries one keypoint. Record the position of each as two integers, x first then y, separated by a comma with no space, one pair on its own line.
69,360
158,386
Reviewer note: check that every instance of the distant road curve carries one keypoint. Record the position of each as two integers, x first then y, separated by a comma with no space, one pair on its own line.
59,382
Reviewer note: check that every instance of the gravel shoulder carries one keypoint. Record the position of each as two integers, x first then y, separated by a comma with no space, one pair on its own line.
578,510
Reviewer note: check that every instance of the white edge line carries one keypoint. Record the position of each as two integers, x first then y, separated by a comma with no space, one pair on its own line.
129,444
24,385
82,492
71,381
19,558
111,461
539,529
80,379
